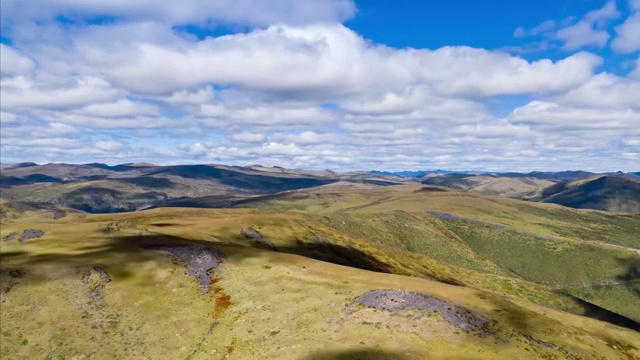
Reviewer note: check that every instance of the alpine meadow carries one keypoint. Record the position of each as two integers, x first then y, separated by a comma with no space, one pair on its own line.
319,179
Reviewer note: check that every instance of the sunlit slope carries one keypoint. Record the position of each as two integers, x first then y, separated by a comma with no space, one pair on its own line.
537,218
571,251
492,185
268,299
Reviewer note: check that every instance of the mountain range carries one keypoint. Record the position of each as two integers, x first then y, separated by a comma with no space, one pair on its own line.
100,188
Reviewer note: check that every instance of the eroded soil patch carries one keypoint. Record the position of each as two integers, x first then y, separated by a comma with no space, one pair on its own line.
222,300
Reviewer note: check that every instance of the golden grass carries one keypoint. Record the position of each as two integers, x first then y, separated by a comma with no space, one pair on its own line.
269,304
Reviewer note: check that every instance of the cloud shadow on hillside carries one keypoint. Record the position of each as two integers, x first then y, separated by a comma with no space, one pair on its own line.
358,354
631,276
599,313
124,253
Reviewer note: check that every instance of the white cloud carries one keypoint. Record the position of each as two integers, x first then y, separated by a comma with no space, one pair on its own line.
13,63
636,72
109,145
497,130
36,130
262,115
294,92
542,28
185,97
308,138
604,91
582,34
8,118
554,116
322,61
608,12
49,143
246,12
124,107
137,122
249,137
61,129
591,30
628,33
20,92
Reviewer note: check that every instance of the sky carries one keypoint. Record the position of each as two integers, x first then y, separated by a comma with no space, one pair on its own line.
496,85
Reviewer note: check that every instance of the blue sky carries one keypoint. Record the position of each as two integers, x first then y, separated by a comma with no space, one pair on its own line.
494,85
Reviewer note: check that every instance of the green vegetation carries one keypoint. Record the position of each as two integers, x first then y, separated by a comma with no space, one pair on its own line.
401,230
546,290
611,193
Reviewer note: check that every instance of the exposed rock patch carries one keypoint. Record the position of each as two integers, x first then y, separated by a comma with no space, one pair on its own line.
31,234
549,345
10,278
9,237
441,215
116,226
200,260
256,237
96,284
396,300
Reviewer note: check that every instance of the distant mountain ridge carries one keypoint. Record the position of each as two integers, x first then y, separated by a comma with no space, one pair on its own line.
98,187
420,173
618,192
547,175
609,193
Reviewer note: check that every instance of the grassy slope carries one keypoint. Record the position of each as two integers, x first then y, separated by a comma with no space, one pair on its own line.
492,185
611,193
541,242
279,302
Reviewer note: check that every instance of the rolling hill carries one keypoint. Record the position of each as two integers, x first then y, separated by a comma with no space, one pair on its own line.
517,187
100,188
609,193
345,270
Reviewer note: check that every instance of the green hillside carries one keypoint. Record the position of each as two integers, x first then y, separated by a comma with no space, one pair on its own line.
369,272
610,193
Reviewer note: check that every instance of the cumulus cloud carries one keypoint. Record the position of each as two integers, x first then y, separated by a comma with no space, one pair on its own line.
294,87
542,28
8,118
604,91
120,108
555,116
628,33
13,63
20,92
320,61
245,12
591,30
